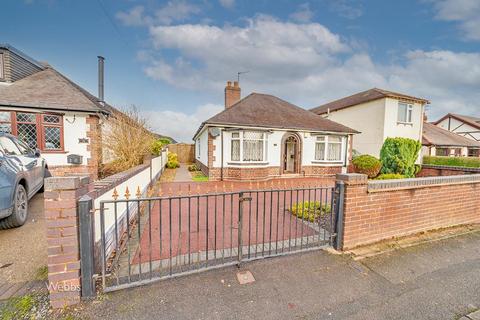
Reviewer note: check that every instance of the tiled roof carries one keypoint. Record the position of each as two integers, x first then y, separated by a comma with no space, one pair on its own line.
436,136
362,97
263,110
49,89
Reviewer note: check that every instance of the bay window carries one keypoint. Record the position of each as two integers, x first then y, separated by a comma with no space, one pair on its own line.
248,146
43,131
329,148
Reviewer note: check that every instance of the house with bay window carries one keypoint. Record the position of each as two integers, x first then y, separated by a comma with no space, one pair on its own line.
377,114
51,113
262,136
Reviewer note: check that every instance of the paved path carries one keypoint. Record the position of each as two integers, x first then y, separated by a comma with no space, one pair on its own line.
182,174
437,280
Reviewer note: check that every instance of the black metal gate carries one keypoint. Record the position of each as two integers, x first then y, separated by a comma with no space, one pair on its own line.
148,239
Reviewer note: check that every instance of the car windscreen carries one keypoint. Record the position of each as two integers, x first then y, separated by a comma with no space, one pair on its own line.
9,147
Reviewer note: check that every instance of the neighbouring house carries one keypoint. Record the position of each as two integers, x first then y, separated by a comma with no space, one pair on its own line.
52,113
262,136
466,126
377,114
437,141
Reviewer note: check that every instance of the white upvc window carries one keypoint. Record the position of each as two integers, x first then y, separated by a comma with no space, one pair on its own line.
248,146
329,148
2,72
405,111
198,147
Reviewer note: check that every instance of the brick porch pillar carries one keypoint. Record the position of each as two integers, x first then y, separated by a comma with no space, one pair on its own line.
61,220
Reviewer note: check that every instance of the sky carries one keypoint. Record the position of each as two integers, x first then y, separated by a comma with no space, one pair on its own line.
171,59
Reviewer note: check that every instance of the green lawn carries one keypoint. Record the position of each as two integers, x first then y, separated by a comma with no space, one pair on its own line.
198,176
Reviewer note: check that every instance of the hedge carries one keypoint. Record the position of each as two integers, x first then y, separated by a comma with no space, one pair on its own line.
367,164
452,161
390,176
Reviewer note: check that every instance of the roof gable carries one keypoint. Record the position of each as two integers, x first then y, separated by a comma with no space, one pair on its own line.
436,136
473,121
263,110
363,97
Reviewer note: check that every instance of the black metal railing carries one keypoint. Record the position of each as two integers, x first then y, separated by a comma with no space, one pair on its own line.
147,239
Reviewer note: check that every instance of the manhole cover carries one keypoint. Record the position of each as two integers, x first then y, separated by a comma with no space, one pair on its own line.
245,277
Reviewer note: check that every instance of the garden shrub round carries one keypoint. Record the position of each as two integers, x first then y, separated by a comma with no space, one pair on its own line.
390,176
368,165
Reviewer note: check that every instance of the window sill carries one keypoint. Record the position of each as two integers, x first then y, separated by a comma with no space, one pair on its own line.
405,123
53,151
327,162
245,163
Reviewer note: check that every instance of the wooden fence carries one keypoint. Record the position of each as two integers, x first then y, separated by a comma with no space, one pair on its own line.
185,152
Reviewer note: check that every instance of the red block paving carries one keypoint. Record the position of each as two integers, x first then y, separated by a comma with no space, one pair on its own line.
188,225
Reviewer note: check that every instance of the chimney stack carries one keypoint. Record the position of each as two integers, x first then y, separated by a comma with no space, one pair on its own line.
232,94
100,78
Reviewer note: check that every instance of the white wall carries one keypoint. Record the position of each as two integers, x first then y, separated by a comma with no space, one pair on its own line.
202,156
367,118
74,127
394,129
461,128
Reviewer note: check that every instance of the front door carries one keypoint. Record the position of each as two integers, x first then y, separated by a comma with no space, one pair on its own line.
290,155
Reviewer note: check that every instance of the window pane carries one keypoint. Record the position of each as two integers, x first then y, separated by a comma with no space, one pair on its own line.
48,118
253,135
5,128
320,151
252,150
235,154
334,139
9,147
409,114
25,117
5,116
321,138
28,133
52,138
402,112
235,135
334,152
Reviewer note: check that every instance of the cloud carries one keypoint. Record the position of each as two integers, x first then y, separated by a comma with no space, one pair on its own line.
303,13
227,3
179,125
349,9
465,12
171,12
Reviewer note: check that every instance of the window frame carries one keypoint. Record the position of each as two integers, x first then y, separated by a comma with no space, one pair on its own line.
408,113
39,127
326,142
241,139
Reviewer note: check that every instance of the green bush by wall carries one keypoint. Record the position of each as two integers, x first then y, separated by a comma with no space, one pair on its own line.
468,162
398,155
367,164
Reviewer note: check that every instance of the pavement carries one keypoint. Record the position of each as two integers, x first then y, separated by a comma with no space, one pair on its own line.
182,174
435,280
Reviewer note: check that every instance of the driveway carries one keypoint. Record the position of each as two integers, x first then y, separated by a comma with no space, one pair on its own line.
23,250
437,280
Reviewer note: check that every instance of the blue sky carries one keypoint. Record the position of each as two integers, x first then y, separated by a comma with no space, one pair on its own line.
172,58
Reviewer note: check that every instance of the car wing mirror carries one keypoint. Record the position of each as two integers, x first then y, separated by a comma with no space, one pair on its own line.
37,153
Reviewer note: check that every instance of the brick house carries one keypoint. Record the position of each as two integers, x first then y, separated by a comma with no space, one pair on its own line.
262,137
52,113
437,141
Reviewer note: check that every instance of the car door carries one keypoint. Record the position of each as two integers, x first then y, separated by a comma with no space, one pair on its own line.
25,164
38,161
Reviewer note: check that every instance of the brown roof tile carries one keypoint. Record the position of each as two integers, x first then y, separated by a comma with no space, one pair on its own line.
436,136
263,110
362,97
49,89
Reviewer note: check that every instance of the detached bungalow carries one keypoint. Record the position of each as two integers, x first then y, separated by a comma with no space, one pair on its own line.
440,142
262,136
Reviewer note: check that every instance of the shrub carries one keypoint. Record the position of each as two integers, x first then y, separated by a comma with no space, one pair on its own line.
367,164
193,167
172,161
158,145
453,161
398,155
309,210
389,176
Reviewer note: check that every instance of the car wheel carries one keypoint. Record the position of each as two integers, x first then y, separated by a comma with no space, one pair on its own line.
20,210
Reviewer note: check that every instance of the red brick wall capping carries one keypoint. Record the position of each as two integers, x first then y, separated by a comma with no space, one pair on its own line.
414,183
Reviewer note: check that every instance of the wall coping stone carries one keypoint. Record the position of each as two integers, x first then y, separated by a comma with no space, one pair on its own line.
453,168
66,183
352,178
424,182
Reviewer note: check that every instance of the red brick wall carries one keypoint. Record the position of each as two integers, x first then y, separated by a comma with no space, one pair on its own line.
402,208
320,171
433,171
61,195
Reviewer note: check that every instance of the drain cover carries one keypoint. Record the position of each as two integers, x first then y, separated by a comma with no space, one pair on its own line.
245,277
